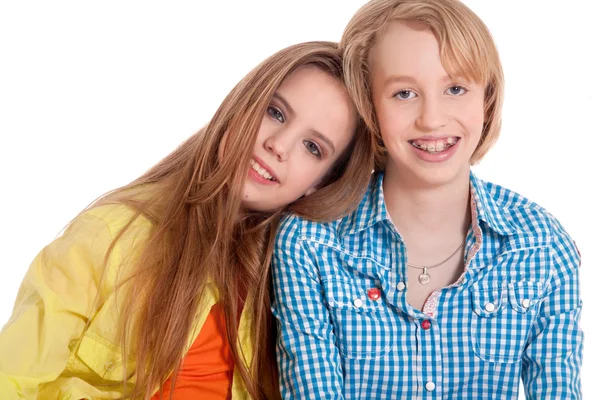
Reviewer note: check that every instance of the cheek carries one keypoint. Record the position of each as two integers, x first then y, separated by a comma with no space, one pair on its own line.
392,123
475,120
475,113
264,130
311,176
307,174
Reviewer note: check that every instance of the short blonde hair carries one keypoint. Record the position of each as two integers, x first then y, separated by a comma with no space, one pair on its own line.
466,49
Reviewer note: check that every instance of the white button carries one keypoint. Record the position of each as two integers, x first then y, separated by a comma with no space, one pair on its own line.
430,386
400,286
526,303
358,303
489,307
109,366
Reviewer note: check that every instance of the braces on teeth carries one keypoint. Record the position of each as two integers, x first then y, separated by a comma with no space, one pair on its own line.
437,146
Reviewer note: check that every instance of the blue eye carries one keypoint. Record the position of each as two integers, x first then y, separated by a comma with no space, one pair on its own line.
276,113
313,148
405,95
456,90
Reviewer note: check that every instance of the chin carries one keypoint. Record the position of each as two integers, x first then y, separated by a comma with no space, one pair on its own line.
431,177
257,206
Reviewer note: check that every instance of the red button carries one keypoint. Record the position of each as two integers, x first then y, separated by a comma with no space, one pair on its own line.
374,293
426,324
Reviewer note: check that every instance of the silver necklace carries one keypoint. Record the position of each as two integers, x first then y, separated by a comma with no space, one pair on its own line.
425,278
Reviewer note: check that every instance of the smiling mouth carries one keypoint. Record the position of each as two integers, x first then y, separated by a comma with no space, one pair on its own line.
261,171
434,146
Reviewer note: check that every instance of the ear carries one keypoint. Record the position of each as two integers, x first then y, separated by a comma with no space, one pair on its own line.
310,191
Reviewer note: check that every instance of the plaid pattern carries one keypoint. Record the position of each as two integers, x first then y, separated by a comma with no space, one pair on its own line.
513,314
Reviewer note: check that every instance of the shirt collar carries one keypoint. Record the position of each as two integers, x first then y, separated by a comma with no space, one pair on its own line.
372,210
483,195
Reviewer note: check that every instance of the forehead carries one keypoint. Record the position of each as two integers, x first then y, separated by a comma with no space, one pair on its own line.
406,43
308,78
401,30
406,48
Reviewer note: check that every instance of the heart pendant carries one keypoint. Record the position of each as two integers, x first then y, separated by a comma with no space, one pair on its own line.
424,278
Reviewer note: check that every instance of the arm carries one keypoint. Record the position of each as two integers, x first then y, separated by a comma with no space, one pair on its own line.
52,307
552,358
308,360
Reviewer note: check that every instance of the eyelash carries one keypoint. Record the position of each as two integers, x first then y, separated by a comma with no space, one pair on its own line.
462,88
397,94
318,153
274,110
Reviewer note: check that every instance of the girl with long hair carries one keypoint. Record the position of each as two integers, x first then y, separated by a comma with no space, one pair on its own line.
161,288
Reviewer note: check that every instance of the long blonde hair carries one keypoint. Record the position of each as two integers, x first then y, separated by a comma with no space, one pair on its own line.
466,49
193,200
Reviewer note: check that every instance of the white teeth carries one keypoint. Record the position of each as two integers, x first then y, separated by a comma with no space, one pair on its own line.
440,145
431,147
260,170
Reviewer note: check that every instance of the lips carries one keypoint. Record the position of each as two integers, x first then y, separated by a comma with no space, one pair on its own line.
262,169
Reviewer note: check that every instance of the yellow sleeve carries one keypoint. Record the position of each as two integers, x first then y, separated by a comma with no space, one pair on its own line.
52,307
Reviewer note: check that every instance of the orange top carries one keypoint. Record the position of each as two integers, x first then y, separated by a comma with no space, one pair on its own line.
207,369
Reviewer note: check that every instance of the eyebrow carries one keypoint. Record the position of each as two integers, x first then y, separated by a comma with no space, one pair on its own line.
324,139
398,78
404,78
315,132
286,105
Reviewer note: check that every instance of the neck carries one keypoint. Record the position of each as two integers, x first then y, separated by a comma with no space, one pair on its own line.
428,213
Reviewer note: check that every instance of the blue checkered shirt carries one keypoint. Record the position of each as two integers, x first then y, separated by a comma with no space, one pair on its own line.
514,313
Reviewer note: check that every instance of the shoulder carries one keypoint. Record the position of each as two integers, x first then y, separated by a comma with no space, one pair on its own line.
120,220
99,226
531,220
104,235
525,215
294,229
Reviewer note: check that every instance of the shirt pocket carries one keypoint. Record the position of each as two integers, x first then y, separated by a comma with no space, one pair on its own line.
103,358
360,316
501,319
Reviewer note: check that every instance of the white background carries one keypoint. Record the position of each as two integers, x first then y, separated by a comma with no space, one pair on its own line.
94,93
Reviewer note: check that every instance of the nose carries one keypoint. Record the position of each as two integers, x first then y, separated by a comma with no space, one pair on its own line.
432,115
278,145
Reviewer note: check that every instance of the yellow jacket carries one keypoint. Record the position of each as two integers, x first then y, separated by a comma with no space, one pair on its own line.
39,356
